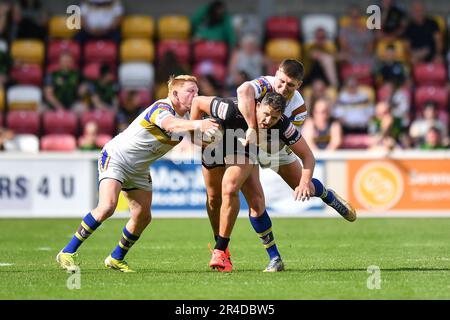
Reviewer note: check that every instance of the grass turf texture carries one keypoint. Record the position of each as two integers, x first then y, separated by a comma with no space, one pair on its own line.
325,259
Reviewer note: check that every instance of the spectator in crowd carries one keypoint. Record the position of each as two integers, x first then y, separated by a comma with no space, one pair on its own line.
248,58
319,90
62,90
422,124
356,42
399,99
390,69
208,85
100,19
320,130
104,90
213,22
31,19
5,62
320,60
384,128
6,20
129,110
168,66
434,140
232,85
423,36
88,141
393,19
353,107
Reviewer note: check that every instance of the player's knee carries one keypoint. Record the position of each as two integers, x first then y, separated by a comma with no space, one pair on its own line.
230,189
104,211
256,205
143,217
214,201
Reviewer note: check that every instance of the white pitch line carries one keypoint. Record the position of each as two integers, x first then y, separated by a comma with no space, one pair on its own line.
3,264
44,249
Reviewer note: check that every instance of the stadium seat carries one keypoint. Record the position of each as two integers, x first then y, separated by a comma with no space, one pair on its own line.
58,142
24,97
27,74
362,71
103,51
57,28
370,92
215,51
283,27
181,49
23,121
174,27
141,50
136,74
217,70
26,142
105,120
55,47
344,21
355,141
430,74
311,22
137,26
441,23
91,71
248,23
161,91
430,93
279,49
100,141
60,122
28,51
144,94
400,50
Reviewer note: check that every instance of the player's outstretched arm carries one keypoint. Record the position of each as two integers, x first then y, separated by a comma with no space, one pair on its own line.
176,125
200,104
303,191
247,107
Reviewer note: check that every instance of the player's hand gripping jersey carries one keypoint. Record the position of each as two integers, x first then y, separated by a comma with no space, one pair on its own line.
226,112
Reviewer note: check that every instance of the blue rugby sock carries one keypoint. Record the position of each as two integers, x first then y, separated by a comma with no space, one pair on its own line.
322,192
263,226
86,228
125,243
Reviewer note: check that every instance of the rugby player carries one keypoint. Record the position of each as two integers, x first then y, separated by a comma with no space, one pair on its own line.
124,165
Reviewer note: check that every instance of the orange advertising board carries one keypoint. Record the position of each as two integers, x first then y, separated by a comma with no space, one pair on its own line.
394,184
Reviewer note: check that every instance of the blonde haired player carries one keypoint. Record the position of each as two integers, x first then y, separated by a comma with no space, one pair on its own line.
124,166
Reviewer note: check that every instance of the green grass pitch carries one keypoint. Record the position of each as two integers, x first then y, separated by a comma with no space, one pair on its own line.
325,259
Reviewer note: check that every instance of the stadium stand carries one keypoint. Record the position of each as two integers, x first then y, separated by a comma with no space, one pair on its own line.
58,142
63,121
174,27
138,27
105,120
132,50
282,27
24,121
57,28
24,97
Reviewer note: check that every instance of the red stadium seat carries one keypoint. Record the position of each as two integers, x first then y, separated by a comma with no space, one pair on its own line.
102,139
52,67
430,74
55,47
217,70
23,121
100,51
361,71
355,141
144,94
216,51
58,142
92,70
27,74
60,122
439,95
181,48
282,27
105,119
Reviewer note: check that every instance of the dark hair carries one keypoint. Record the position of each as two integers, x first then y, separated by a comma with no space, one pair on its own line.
293,68
275,100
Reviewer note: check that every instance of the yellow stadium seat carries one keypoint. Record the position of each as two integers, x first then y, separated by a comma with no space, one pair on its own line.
400,50
57,28
138,27
2,99
161,91
344,21
28,51
279,49
174,27
137,50
24,97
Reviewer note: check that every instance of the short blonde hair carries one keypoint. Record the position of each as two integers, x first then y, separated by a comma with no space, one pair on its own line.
178,81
